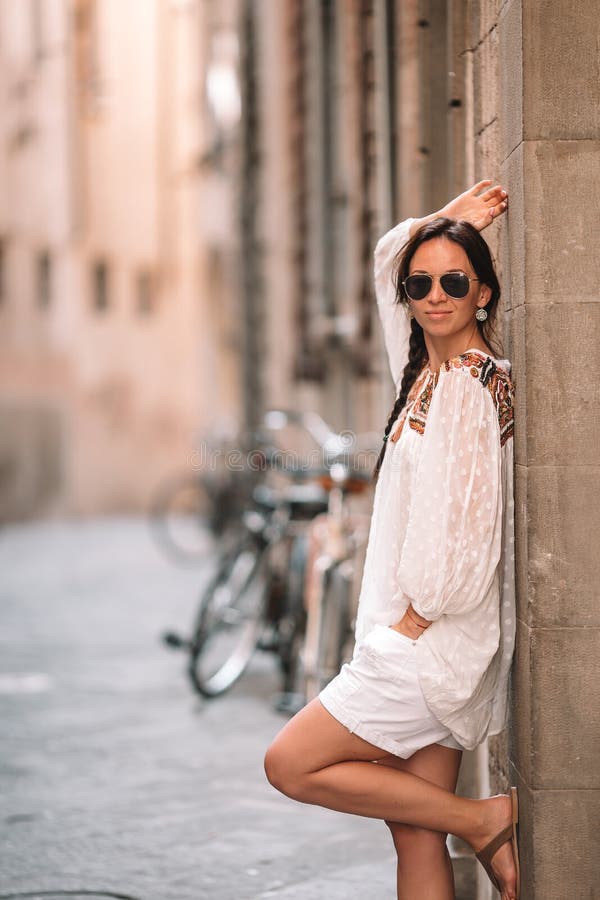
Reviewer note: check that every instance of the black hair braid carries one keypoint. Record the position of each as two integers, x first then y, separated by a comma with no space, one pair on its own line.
417,355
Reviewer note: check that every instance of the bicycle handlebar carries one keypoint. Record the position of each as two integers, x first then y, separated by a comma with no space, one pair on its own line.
311,472
312,423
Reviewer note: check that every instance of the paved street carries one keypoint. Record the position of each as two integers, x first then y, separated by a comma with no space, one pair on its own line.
117,781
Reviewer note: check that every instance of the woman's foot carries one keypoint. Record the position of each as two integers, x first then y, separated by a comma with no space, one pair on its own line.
496,816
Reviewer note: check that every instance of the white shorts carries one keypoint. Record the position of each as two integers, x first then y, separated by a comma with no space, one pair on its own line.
378,697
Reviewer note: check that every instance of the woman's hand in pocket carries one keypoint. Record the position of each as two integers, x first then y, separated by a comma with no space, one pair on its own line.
407,627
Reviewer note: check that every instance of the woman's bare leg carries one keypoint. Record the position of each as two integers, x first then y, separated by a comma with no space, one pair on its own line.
316,760
424,866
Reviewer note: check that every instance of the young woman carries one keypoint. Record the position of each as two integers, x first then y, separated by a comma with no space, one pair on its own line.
436,620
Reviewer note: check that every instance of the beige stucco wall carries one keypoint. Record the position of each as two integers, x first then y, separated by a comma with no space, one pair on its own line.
100,160
138,377
36,204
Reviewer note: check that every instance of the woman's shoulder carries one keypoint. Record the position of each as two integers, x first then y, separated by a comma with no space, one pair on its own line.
494,376
478,363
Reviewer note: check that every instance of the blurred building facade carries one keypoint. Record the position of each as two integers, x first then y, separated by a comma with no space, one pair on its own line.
104,351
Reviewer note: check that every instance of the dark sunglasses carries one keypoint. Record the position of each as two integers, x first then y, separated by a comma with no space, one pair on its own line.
454,284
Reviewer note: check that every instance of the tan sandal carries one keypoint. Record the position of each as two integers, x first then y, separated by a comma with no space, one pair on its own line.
510,833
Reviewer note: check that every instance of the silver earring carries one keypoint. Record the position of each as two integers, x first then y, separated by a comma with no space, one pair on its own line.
481,314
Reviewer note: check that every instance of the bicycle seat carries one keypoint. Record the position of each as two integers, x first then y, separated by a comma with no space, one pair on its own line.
306,500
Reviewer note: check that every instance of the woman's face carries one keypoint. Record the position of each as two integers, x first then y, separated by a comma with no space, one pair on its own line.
439,314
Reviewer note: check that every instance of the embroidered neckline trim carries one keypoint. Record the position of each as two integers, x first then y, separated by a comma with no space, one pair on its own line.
465,353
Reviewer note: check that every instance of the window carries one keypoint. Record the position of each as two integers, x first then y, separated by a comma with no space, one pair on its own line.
88,76
44,280
100,286
3,248
320,62
366,34
433,89
37,29
146,293
386,63
307,365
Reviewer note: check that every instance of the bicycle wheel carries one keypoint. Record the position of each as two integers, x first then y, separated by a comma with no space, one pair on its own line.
192,515
334,625
229,622
181,515
292,627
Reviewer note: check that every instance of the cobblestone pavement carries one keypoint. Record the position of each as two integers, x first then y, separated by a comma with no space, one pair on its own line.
115,779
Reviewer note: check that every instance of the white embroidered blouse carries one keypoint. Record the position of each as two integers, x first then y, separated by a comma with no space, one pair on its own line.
442,528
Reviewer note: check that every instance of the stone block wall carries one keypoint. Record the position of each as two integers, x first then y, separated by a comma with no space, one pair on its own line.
537,123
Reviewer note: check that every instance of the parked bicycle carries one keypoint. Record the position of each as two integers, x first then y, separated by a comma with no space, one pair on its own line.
337,543
256,596
196,511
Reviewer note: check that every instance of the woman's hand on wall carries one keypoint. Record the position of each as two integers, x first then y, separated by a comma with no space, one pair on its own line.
478,209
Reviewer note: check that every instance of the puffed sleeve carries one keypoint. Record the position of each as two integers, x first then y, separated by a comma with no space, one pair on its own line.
452,542
394,316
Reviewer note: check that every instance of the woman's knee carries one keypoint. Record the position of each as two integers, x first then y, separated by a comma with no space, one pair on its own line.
412,843
282,770
275,768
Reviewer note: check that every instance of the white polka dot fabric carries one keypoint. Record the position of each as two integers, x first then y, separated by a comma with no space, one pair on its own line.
442,535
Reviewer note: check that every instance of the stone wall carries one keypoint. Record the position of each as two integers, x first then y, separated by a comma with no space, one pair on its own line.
537,121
